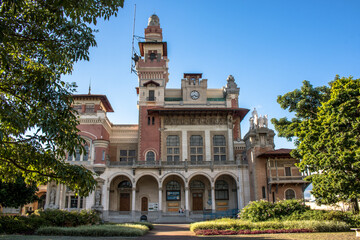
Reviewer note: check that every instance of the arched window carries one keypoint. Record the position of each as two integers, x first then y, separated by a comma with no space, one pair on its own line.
125,184
196,184
172,148
289,194
219,148
173,185
196,149
150,156
221,190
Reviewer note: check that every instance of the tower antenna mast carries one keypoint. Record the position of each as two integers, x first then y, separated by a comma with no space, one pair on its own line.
134,56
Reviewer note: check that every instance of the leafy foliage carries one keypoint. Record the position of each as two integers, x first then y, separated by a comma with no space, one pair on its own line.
49,217
263,210
17,194
39,42
63,218
326,129
241,225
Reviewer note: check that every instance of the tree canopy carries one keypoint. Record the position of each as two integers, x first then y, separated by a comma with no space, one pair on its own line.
18,193
40,40
326,128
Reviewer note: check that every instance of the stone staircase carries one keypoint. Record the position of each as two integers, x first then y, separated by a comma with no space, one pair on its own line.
173,219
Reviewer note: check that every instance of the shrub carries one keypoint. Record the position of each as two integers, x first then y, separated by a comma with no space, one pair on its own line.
63,218
147,224
231,232
126,230
20,224
258,211
264,210
237,225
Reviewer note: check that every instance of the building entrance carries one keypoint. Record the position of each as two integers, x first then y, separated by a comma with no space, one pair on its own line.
197,201
144,204
124,201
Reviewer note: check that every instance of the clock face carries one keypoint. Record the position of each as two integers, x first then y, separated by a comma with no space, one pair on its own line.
194,95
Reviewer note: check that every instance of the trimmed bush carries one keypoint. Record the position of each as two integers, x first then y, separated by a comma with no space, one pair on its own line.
231,232
237,225
63,218
150,226
20,224
126,230
263,210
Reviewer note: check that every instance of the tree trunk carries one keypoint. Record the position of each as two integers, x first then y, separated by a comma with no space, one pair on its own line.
355,204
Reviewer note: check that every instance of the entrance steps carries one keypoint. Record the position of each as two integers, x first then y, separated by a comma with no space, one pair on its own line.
173,219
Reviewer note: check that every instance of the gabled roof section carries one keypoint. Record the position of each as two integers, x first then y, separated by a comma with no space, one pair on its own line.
104,100
278,153
151,82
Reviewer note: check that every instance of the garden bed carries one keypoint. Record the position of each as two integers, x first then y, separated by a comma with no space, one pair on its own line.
125,230
237,226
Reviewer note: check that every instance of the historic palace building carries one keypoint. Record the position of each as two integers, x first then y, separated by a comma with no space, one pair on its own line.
185,158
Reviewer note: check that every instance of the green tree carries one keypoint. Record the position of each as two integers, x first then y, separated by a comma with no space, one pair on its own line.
326,129
40,40
18,193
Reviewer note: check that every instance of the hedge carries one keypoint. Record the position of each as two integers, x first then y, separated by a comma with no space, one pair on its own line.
49,217
126,230
237,225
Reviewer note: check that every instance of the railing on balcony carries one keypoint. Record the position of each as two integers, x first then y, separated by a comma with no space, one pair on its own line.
170,163
284,179
151,99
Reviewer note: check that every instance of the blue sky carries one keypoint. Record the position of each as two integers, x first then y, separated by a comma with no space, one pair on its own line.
270,47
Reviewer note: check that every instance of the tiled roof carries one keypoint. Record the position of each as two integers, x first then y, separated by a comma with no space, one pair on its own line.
241,112
280,153
102,98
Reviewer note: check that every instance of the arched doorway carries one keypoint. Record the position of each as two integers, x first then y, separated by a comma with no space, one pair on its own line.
147,194
173,193
120,194
200,193
225,193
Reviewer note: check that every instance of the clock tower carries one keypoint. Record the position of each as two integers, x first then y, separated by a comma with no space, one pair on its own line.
152,69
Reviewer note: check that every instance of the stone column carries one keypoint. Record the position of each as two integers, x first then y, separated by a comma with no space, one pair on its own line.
207,146
61,196
160,199
230,145
239,202
57,197
133,198
187,209
47,199
184,145
213,206
105,200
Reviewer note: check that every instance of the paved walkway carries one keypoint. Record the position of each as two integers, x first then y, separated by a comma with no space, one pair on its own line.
169,231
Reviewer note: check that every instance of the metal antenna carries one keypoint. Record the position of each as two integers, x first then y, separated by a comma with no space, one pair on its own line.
133,61
90,87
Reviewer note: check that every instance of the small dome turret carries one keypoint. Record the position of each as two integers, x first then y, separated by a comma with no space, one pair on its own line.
154,20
